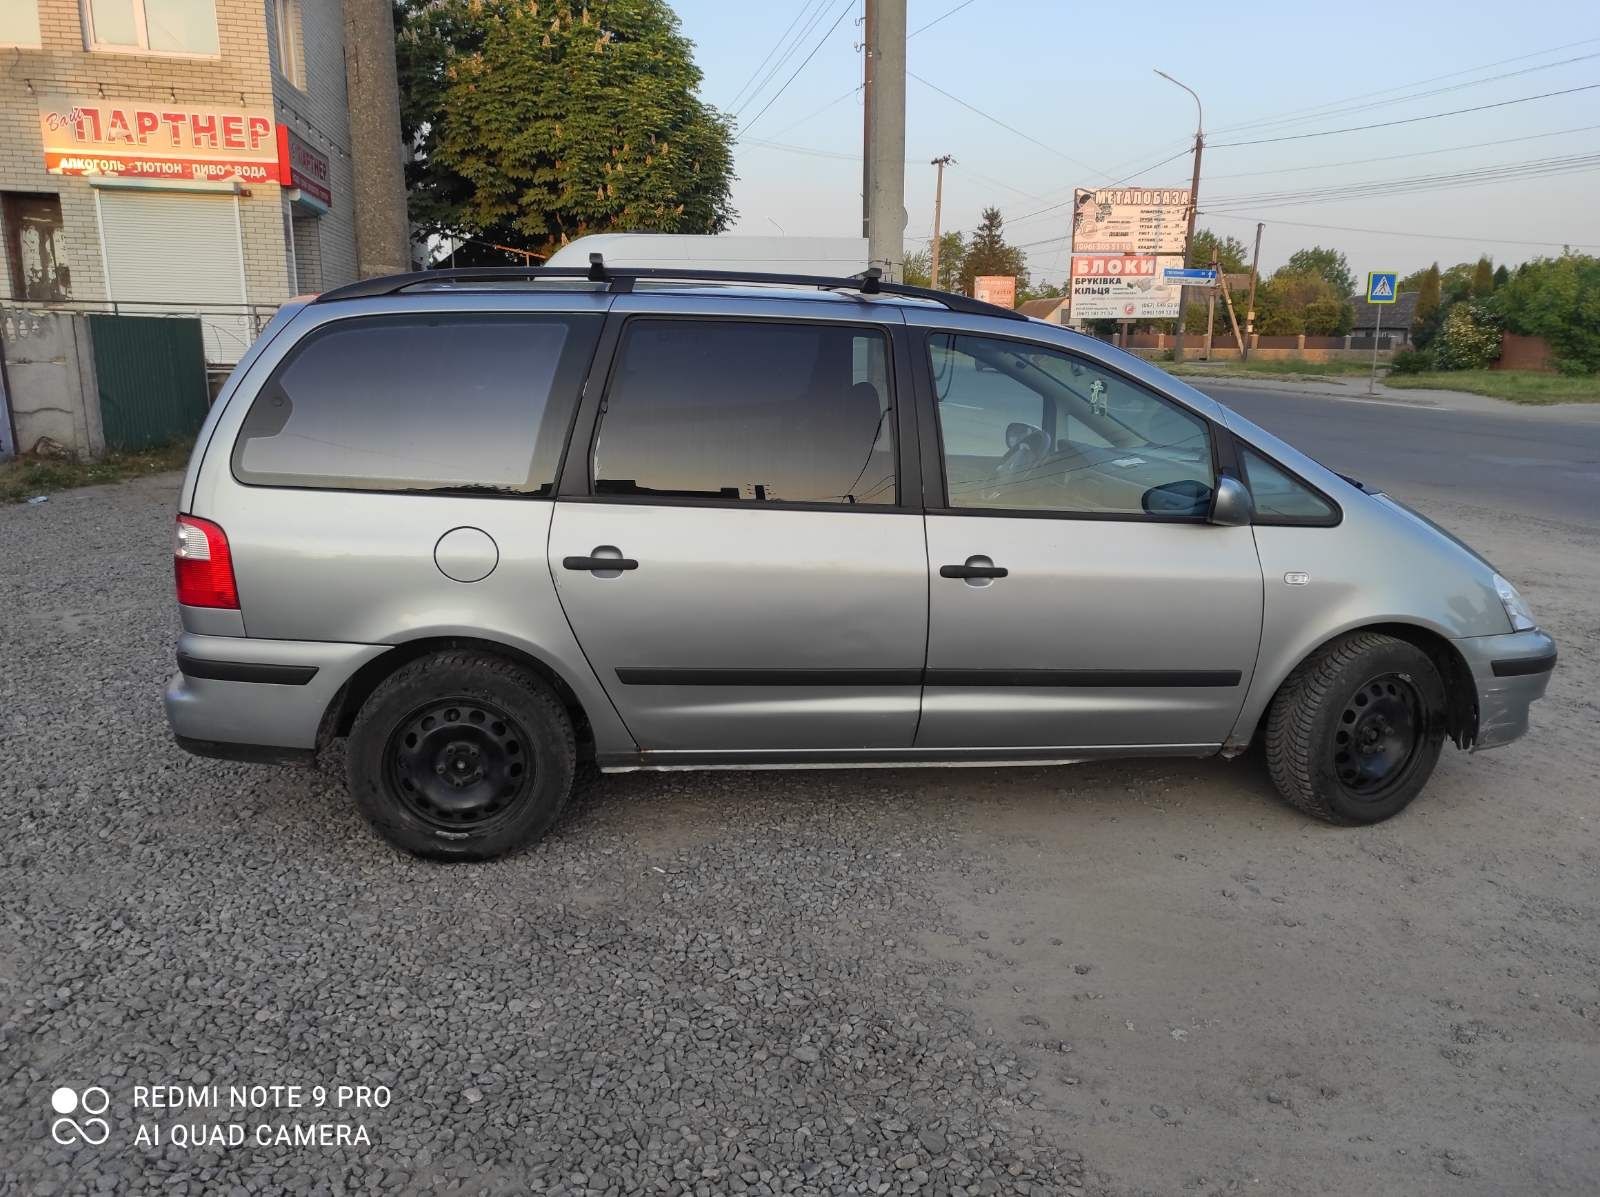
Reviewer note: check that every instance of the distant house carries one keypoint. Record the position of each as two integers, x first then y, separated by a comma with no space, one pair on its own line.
1396,326
1051,309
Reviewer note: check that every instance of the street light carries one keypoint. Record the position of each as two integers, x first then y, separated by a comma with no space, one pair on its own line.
1194,202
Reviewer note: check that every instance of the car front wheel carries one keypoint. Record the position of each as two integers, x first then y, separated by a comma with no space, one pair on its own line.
461,756
1355,731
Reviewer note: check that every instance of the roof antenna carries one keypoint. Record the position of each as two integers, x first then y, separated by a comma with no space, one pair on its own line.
869,280
597,269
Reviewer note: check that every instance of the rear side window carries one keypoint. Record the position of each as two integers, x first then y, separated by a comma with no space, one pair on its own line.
749,411
464,403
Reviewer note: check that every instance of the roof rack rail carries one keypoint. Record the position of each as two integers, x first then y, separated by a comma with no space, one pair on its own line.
868,282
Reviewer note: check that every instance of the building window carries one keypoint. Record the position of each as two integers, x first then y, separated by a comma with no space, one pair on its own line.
33,237
291,47
159,26
19,23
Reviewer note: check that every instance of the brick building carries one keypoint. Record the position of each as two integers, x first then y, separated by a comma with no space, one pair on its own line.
175,156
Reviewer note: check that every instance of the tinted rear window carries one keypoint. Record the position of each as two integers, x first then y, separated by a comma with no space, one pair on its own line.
752,411
435,403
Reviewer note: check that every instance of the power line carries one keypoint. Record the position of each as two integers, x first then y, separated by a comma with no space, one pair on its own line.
1339,228
819,111
1335,106
857,88
787,55
937,19
1064,203
1532,169
997,121
1449,149
813,151
782,37
1410,120
848,4
1326,109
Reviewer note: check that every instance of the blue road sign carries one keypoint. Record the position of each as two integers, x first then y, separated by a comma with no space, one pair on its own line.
1383,286
1192,277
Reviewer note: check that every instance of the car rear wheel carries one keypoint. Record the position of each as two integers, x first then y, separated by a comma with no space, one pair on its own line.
1355,731
461,756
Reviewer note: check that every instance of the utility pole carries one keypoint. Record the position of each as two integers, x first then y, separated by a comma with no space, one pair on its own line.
1250,311
883,149
383,236
1194,203
1211,309
938,202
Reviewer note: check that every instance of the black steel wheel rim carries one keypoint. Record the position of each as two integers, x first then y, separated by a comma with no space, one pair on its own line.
459,764
1377,737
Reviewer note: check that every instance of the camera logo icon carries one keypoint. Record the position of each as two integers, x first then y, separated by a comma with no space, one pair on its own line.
92,1130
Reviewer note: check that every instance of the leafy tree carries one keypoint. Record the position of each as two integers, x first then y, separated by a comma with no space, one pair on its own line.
1425,316
1469,340
1557,299
1039,290
1501,274
532,123
1288,301
917,268
1330,264
1230,251
1329,317
1455,284
952,251
1482,279
988,253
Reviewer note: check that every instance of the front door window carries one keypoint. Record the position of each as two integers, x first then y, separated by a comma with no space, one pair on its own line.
1029,428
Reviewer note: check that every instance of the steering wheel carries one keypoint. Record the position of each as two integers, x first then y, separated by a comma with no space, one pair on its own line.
1025,454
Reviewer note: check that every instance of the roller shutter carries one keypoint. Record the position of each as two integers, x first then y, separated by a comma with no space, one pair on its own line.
178,248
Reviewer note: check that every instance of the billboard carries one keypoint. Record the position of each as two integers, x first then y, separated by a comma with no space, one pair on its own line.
1130,220
1123,287
998,289
143,139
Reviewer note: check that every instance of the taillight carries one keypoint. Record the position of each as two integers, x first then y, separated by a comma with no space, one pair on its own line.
203,565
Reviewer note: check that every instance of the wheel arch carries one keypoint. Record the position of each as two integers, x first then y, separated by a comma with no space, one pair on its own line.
348,700
1461,692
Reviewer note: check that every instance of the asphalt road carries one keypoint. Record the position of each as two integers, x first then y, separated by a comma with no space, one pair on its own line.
1526,460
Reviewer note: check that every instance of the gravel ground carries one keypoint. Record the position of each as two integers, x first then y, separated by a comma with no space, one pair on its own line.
1124,979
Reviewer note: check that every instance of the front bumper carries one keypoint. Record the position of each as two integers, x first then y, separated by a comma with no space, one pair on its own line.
257,699
1510,672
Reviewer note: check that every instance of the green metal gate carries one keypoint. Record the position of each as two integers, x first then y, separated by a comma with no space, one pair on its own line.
151,372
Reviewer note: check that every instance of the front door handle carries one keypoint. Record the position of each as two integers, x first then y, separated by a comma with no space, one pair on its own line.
974,567
604,559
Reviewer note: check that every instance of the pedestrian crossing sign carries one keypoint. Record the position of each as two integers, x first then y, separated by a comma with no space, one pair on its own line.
1382,286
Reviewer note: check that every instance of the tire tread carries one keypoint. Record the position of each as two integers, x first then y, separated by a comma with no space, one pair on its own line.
1291,732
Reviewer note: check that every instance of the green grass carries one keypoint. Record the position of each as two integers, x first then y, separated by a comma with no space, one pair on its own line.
1518,386
1287,367
25,477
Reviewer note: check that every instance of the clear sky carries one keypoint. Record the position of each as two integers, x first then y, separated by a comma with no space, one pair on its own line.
1076,83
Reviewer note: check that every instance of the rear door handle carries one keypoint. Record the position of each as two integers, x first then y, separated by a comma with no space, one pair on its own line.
974,567
604,559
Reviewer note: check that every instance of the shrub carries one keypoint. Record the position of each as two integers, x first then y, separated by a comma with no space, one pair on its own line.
1557,299
1573,367
1411,361
1469,338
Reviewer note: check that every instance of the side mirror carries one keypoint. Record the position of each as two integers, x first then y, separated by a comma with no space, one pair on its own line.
1231,506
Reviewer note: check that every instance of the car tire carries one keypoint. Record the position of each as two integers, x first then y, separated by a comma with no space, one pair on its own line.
1354,732
461,756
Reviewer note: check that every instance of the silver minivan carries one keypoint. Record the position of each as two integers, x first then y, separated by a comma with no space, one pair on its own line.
492,526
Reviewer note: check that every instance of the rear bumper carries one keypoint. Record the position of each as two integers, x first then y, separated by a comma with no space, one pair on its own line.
250,699
1510,673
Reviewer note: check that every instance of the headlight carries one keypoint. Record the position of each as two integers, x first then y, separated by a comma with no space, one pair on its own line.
1516,607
